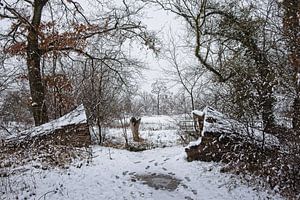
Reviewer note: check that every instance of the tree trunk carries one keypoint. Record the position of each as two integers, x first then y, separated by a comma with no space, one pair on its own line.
266,84
296,113
122,120
37,89
291,23
134,126
158,97
192,100
267,113
266,97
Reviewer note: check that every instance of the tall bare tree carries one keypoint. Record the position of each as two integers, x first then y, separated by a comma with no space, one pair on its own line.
33,35
184,73
159,88
197,15
236,29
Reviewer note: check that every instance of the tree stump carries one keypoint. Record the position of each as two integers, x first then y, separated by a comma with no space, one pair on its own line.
134,126
198,118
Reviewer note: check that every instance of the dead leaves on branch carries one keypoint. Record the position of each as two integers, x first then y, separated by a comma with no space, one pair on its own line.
18,49
54,41
60,88
51,40
59,81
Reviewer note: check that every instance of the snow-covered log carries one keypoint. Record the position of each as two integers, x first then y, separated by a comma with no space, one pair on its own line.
220,134
71,129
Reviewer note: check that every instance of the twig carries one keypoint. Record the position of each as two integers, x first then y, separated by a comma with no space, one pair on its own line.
44,195
3,127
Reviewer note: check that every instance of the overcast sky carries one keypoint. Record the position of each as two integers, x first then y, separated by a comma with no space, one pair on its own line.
165,24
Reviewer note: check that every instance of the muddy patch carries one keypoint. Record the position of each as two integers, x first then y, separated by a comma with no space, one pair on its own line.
159,181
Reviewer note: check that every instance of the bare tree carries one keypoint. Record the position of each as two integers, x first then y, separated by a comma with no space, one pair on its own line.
32,36
146,103
158,88
221,33
198,18
8,75
184,73
249,29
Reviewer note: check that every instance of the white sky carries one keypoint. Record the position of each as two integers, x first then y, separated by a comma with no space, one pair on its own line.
165,24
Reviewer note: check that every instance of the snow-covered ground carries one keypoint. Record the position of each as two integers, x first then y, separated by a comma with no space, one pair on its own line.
158,131
114,173
155,138
159,122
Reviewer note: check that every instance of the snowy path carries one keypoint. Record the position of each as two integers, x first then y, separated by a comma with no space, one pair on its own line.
114,178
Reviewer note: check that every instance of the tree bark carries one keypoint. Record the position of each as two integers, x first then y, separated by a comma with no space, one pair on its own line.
192,100
158,97
37,88
134,126
267,111
291,25
266,80
266,96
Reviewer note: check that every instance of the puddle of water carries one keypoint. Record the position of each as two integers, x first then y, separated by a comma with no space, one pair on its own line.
159,181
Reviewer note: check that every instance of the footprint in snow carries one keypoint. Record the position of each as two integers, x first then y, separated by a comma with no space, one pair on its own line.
150,161
194,192
187,178
171,173
184,186
147,167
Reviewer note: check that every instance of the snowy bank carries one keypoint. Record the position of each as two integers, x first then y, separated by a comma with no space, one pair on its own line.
71,121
